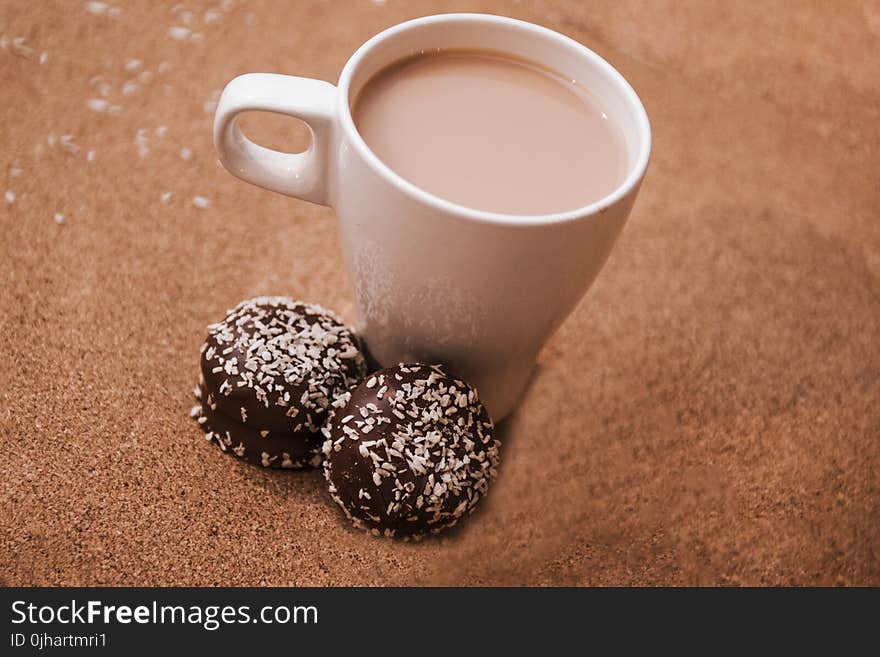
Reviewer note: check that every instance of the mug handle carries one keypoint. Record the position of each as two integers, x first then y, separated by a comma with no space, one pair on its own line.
303,175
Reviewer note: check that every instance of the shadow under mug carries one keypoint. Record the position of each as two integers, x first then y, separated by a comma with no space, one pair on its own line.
435,281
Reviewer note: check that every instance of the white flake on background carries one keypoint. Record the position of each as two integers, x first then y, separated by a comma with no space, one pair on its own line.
141,140
21,48
98,104
67,144
178,33
97,8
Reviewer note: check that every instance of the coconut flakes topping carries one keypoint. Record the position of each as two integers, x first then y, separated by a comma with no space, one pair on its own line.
424,449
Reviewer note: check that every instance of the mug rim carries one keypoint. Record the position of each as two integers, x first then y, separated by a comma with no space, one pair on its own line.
631,182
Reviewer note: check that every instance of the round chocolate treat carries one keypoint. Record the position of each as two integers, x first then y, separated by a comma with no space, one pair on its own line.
412,450
271,450
270,371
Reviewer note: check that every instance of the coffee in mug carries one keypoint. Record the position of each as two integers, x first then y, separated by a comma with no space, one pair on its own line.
492,132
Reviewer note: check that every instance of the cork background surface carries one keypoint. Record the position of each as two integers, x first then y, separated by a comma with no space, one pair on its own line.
709,414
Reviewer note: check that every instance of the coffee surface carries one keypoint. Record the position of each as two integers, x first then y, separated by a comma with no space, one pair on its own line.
491,132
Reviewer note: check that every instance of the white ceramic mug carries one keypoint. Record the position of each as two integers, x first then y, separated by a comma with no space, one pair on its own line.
435,281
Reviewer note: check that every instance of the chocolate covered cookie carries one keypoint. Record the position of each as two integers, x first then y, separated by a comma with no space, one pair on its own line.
270,450
270,371
411,451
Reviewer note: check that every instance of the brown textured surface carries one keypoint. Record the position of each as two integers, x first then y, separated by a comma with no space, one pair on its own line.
710,414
